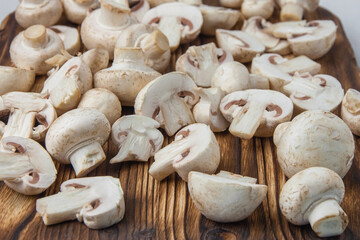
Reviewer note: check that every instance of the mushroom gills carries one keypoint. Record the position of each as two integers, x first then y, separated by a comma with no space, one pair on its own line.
14,166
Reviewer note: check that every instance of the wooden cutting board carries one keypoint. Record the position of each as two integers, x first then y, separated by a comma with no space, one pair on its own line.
165,210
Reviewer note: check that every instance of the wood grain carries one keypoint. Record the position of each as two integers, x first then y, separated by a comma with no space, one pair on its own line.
165,210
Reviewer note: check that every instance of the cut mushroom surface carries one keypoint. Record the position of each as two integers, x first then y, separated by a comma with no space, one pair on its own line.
139,8
293,10
96,201
76,10
257,8
70,37
194,149
225,197
350,110
15,79
96,59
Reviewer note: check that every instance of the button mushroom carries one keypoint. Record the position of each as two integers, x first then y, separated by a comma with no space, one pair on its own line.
194,149
350,110
168,99
293,10
76,10
15,79
225,197
139,8
180,22
255,112
25,166
260,8
314,139
313,196
70,37
136,137
96,201
77,137
96,59
127,76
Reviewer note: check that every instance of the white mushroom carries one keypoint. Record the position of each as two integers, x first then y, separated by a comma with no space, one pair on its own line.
231,3
139,8
154,3
25,166
314,139
70,37
350,110
168,99
293,10
77,137
314,196
136,137
96,59
76,10
194,149
96,201
15,79
255,112
257,8
225,197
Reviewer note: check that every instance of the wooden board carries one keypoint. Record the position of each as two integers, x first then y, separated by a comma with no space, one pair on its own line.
165,210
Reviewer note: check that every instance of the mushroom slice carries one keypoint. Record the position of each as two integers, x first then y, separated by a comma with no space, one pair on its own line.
136,137
96,59
76,10
257,8
242,46
231,3
201,62
350,110
194,149
255,112
256,27
282,48
77,137
225,197
293,10
127,76
139,8
168,99
70,37
25,166
15,79
314,196
180,22
30,115
314,139
96,201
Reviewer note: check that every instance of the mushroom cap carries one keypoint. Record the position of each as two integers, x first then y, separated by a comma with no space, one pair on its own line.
224,197
70,37
315,139
300,192
231,3
350,110
256,27
15,79
309,5
96,59
139,8
76,11
261,8
73,130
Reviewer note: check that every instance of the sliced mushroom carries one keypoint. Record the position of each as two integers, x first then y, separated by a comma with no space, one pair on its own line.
76,10
96,59
257,8
201,62
314,139
255,112
350,110
242,46
194,149
139,8
293,10
96,201
225,197
231,3
77,137
70,37
127,76
314,196
15,79
180,22
168,99
136,137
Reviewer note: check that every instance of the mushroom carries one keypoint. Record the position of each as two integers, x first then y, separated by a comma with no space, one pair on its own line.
70,37
96,201
314,139
350,110
136,137
293,10
154,3
241,45
77,137
255,112
192,2
139,8
102,27
194,149
104,101
168,99
30,48
15,79
76,10
180,22
257,8
152,41
127,76
30,115
313,196
96,59
44,12
225,197
201,62
231,3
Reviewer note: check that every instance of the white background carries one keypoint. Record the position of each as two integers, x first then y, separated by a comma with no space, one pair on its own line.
347,10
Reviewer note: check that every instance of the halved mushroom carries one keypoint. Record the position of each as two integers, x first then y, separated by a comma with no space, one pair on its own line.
15,79
255,112
136,137
293,10
30,115
194,149
127,76
96,201
30,48
257,8
168,99
180,22
76,10
225,197
96,59
350,110
70,37
201,62
139,8
77,137
32,12
231,3
241,45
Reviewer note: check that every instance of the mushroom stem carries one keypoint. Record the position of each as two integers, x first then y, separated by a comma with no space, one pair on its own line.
172,30
20,124
134,55
14,165
291,12
328,219
35,36
114,13
154,44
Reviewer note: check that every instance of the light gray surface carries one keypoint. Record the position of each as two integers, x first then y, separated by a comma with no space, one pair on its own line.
346,10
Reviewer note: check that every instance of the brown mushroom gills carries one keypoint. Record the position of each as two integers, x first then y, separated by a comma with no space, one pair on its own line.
135,4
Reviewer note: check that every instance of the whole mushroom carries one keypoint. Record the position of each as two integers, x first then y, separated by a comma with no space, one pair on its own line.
76,10
350,109
15,79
